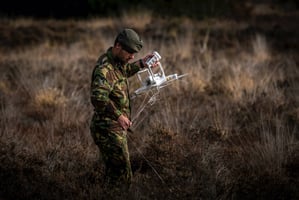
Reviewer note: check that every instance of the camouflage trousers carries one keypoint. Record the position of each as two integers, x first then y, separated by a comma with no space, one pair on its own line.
114,151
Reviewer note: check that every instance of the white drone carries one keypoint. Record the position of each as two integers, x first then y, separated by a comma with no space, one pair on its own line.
154,81
151,82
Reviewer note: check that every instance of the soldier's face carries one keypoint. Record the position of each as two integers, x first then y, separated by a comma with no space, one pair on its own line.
126,56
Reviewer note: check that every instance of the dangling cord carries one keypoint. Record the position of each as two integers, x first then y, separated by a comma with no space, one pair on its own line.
140,109
151,101
147,161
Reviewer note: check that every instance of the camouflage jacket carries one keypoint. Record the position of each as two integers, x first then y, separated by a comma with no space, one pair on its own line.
109,90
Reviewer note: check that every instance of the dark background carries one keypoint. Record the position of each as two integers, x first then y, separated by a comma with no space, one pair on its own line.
100,8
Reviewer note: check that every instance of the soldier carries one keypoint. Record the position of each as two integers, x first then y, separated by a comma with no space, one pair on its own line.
110,99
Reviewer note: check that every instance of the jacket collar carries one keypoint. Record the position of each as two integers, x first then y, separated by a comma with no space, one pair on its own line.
113,60
116,63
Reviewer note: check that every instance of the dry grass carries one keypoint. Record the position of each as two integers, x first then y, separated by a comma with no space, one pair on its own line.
229,130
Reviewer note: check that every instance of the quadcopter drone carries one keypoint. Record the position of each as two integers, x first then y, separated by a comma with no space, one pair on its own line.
154,81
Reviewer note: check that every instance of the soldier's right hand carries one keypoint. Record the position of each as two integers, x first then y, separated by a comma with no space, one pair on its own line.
149,57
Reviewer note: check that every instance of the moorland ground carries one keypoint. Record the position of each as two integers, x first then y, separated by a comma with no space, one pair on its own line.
229,130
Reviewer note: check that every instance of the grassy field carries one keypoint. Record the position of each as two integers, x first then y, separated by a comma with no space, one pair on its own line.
229,130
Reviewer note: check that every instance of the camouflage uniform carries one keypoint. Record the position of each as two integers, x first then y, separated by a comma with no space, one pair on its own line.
110,98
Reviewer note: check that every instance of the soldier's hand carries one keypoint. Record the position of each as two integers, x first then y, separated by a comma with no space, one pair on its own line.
124,122
148,57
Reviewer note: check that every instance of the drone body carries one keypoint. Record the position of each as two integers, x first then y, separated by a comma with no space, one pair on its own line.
151,80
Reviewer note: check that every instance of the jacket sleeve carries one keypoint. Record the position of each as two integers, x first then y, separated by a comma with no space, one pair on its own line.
132,68
100,90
